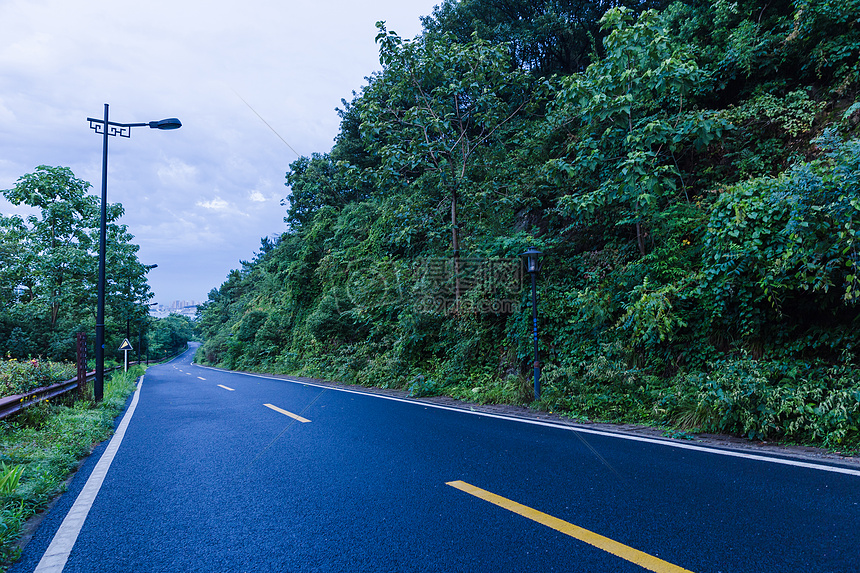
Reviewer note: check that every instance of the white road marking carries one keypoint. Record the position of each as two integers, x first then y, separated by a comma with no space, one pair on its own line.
630,437
55,557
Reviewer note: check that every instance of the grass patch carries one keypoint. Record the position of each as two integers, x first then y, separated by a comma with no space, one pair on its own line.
42,445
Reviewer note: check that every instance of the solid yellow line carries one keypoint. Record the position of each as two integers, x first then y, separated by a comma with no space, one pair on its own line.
290,414
226,387
618,549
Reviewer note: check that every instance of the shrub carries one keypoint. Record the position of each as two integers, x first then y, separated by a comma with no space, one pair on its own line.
19,377
773,400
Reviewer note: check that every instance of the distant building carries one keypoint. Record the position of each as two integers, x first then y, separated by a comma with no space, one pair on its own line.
184,307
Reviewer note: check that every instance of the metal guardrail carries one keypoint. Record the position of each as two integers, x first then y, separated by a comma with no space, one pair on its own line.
14,404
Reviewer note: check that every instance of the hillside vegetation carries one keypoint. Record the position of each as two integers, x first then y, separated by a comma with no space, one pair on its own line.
691,172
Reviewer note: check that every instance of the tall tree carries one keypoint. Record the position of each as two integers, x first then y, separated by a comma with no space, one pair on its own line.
58,239
48,259
545,37
629,117
434,107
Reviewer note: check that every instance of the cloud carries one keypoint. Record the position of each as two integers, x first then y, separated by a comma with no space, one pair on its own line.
216,204
177,173
6,115
212,187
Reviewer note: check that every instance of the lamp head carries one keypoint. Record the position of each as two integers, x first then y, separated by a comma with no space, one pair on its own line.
531,260
169,123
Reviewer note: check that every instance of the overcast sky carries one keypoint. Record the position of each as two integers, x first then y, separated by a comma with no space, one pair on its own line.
197,199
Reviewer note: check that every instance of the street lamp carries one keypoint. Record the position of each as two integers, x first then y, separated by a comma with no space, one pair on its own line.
532,262
147,268
106,128
140,335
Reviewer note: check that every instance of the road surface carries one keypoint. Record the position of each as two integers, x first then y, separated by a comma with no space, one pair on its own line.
225,472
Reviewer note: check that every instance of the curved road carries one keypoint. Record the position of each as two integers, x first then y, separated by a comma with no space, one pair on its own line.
226,472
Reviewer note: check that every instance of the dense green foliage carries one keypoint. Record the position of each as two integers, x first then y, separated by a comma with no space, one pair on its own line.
49,269
168,335
690,170
42,445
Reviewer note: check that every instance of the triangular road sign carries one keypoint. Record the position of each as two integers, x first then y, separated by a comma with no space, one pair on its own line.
126,345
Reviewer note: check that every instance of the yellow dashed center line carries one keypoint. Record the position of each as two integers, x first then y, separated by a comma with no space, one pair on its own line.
285,413
226,387
649,562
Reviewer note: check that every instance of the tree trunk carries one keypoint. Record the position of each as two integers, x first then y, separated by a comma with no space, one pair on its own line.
455,247
640,240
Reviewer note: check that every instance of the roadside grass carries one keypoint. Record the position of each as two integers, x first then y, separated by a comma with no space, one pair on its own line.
41,446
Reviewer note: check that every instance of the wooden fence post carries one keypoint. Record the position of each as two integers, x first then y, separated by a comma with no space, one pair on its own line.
81,339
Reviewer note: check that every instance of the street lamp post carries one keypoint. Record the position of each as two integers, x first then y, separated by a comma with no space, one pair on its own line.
532,262
140,335
107,128
131,304
128,312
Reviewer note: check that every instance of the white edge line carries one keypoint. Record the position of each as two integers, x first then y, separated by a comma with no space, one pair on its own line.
57,553
679,445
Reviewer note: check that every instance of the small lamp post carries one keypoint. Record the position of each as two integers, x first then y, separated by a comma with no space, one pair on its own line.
140,334
531,258
147,268
108,128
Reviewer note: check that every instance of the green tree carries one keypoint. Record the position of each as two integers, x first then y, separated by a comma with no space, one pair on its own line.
48,270
58,240
315,182
170,334
689,214
630,117
545,37
784,250
437,104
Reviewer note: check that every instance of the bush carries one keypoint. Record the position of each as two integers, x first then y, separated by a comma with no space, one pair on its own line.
19,377
771,400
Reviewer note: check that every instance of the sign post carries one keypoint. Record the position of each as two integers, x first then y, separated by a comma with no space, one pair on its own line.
125,347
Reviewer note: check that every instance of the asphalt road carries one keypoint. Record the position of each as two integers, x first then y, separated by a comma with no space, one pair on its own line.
209,478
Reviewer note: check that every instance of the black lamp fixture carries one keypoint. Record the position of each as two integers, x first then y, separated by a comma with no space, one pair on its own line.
169,123
111,128
531,259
